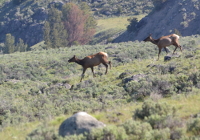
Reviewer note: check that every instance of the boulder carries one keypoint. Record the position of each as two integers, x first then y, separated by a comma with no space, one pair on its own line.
167,58
79,123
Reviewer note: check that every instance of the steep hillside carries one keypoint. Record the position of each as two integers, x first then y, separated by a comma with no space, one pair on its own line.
179,15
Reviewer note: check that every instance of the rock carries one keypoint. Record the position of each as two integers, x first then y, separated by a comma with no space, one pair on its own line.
134,78
79,123
66,85
167,58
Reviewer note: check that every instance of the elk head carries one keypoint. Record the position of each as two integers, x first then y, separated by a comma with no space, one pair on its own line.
149,38
73,59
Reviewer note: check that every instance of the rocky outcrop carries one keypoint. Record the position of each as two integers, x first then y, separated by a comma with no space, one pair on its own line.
180,16
79,123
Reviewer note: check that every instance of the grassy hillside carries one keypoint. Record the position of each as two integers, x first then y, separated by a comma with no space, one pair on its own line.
35,94
109,28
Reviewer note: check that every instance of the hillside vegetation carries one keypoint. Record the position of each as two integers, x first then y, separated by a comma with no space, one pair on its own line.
139,99
36,91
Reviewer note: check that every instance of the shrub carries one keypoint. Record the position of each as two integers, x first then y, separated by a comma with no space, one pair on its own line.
108,133
152,108
43,132
194,126
138,87
162,134
183,84
137,130
195,78
177,133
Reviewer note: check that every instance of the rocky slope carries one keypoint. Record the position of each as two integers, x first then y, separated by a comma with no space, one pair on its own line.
180,16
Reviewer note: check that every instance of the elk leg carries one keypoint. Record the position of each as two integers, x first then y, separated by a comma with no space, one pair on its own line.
175,49
109,64
180,48
166,50
159,53
82,76
106,65
93,71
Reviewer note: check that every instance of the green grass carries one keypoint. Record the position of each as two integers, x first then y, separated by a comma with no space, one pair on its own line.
109,27
18,132
117,23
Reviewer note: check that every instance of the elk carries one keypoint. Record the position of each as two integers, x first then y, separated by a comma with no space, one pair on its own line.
91,61
165,41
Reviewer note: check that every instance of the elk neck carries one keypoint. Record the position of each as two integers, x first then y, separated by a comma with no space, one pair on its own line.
154,41
79,61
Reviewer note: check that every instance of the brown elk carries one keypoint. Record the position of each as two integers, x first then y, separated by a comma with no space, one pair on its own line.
165,41
91,61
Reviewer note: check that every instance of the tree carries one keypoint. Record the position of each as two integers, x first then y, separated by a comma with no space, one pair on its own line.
79,24
55,35
176,31
74,22
9,44
90,24
157,3
17,2
21,46
132,26
46,33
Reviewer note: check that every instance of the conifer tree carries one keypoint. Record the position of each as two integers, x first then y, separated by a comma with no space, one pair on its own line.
46,33
9,44
157,3
21,46
55,35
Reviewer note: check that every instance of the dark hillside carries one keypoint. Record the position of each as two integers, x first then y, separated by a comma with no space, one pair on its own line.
26,20
179,15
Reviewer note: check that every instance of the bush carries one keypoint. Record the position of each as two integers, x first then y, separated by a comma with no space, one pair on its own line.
194,126
152,108
137,130
163,134
43,132
177,133
141,87
108,133
132,26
